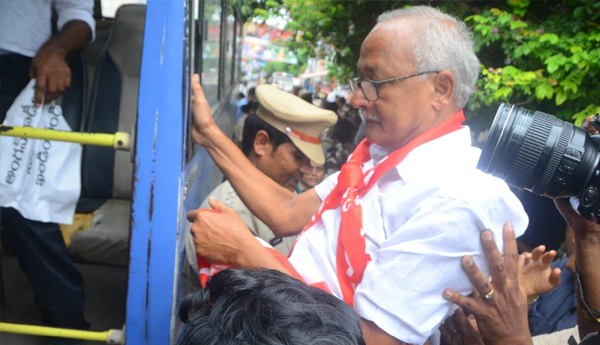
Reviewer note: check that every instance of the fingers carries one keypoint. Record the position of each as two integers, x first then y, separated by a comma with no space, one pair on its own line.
192,215
495,259
565,209
575,221
446,338
467,303
479,280
555,277
461,322
548,257
511,255
521,274
40,88
50,84
537,253
57,84
197,88
527,257
217,205
586,125
449,326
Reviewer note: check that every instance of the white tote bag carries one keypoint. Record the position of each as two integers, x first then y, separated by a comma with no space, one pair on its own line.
39,178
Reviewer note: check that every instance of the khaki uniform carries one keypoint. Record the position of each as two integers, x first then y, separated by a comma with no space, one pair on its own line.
303,123
225,194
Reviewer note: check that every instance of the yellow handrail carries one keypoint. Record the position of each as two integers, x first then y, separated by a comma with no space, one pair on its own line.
119,140
58,332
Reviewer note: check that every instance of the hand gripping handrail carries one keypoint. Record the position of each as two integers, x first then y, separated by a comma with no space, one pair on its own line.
119,140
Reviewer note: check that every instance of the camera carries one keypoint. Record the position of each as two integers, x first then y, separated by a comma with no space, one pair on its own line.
536,151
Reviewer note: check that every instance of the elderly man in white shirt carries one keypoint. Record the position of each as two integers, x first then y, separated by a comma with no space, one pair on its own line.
388,232
29,50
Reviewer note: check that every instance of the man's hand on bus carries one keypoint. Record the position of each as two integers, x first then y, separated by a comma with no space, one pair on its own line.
221,237
202,118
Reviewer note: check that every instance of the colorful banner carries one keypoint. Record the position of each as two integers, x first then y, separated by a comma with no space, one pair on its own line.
258,49
267,33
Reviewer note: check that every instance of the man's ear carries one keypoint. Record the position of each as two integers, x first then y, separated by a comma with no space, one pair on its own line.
443,84
262,143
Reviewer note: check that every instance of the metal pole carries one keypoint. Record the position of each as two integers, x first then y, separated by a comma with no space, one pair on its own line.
119,140
112,336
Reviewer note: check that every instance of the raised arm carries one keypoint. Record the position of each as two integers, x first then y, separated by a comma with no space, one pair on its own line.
587,253
283,211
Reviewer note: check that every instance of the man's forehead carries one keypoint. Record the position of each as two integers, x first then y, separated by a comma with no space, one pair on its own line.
370,70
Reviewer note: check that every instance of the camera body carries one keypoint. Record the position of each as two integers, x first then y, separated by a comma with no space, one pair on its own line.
545,155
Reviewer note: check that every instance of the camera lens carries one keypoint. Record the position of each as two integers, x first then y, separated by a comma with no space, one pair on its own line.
538,152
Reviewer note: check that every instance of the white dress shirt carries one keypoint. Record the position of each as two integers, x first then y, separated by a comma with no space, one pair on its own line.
25,25
420,219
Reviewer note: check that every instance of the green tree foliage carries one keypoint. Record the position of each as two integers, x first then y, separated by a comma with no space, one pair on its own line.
542,54
294,69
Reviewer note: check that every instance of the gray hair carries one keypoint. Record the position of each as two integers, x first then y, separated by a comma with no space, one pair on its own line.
442,42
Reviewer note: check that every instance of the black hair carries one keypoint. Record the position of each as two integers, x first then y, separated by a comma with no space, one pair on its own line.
307,96
343,131
251,105
266,307
330,106
241,95
252,91
254,124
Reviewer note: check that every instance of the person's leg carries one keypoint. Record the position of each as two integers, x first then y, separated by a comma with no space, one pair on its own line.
43,256
39,247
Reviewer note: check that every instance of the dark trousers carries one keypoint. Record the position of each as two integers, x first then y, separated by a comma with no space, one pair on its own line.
39,247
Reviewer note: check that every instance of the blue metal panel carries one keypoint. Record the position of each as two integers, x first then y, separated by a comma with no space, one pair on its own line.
159,164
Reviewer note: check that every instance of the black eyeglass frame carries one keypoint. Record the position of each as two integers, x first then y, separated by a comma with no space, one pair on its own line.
376,84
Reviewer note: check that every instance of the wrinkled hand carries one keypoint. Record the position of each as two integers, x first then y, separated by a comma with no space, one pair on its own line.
220,235
51,72
202,117
540,278
503,318
460,329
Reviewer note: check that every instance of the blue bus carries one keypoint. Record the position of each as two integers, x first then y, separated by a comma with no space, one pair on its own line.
135,77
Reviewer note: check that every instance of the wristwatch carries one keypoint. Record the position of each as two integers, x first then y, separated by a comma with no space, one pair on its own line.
588,312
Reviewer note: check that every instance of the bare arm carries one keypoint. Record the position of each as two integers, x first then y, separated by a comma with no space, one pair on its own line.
376,336
587,253
284,212
49,65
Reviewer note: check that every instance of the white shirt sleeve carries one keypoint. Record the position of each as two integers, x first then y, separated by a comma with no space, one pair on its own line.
69,10
326,186
402,287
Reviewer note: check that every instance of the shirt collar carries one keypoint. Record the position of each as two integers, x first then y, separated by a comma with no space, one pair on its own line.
444,151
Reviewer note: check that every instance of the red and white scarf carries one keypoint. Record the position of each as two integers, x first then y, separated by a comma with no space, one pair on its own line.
351,255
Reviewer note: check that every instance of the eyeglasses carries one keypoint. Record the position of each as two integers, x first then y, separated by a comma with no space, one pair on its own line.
370,88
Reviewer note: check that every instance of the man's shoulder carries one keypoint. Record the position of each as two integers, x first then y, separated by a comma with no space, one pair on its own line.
221,193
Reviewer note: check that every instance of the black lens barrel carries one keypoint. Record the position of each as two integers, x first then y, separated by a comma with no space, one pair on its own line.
536,151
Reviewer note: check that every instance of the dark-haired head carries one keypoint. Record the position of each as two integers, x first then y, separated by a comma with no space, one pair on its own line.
267,307
254,124
343,131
